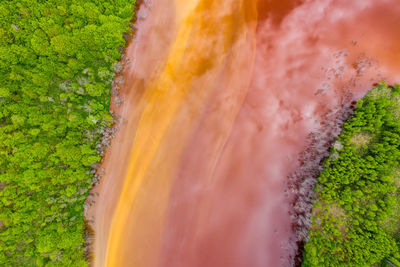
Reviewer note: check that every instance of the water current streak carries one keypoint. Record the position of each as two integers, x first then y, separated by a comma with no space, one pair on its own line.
219,98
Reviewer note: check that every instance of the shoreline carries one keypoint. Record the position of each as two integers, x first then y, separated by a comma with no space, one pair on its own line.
116,107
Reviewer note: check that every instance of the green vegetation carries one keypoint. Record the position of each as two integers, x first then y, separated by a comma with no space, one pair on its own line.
57,62
356,216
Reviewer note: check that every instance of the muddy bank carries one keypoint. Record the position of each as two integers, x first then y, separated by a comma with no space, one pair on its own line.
219,101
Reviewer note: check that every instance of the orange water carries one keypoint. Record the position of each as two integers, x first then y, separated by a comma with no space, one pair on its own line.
219,99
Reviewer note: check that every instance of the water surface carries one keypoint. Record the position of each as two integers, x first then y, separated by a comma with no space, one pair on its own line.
219,98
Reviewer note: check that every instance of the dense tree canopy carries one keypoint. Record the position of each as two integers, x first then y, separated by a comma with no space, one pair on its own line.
57,62
355,215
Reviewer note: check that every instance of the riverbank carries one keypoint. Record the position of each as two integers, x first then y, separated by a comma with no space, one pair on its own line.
57,63
355,212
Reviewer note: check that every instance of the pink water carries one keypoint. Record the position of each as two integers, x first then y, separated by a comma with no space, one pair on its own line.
248,81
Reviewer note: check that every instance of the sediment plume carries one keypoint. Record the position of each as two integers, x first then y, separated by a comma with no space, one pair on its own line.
226,111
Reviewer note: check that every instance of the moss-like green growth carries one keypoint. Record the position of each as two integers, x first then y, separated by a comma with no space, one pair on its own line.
356,215
57,62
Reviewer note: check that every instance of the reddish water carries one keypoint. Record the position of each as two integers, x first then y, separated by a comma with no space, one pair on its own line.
220,97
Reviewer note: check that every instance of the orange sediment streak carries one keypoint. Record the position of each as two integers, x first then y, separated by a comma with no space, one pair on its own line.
157,128
219,101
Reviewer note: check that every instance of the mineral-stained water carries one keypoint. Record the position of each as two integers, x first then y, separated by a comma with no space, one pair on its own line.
225,103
